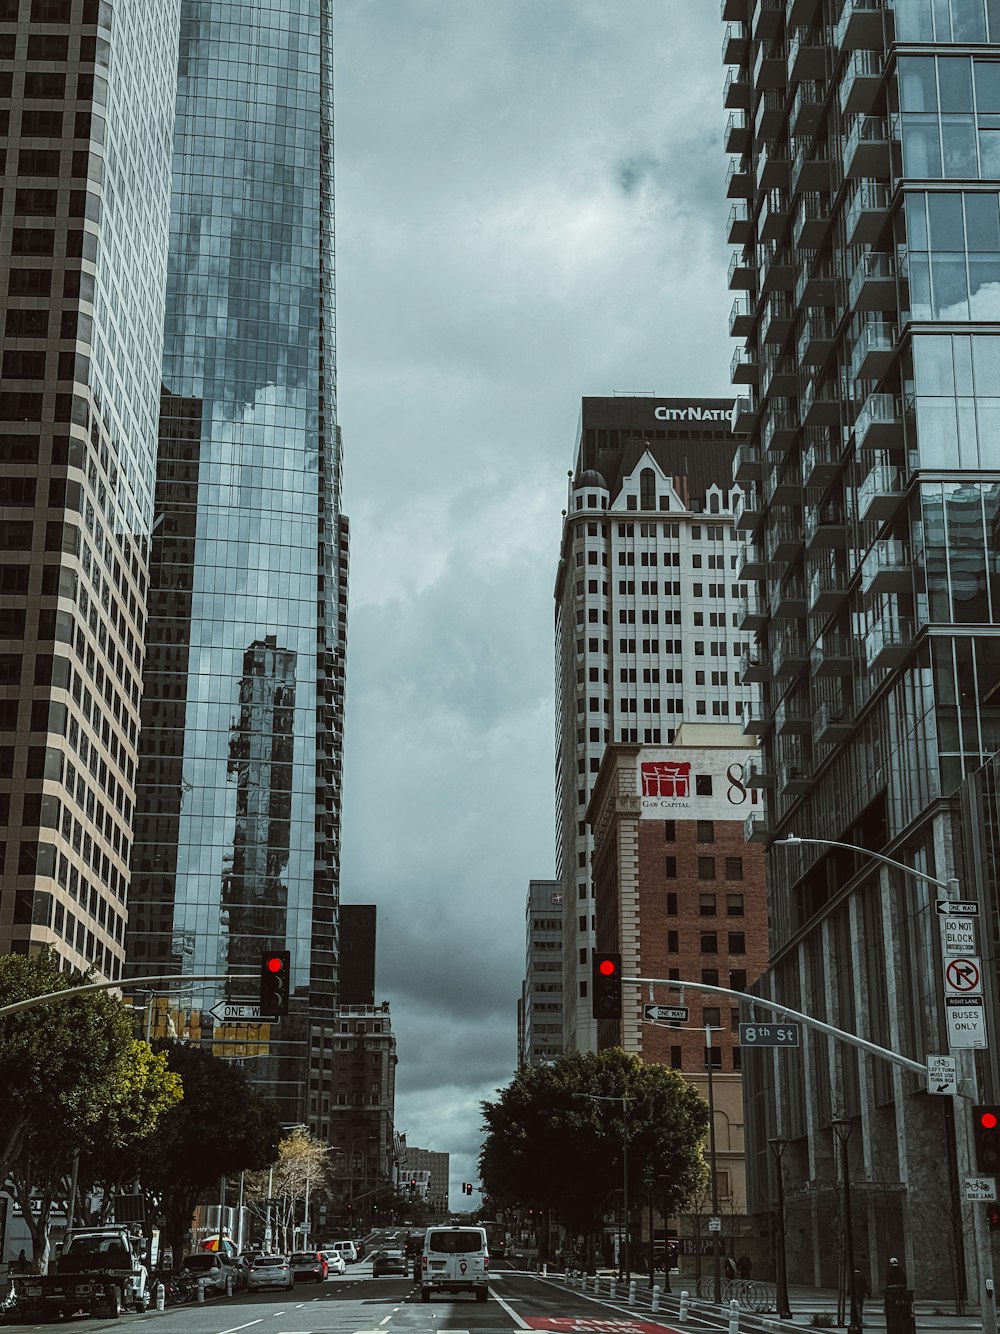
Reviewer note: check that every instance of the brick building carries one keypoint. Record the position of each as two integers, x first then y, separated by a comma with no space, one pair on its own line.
681,894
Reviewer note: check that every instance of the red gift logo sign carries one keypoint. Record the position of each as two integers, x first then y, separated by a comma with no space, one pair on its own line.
666,778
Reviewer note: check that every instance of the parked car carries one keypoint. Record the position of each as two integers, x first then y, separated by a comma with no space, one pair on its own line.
389,1260
210,1266
335,1262
270,1271
308,1264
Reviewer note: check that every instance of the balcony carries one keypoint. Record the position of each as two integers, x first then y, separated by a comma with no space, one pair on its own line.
783,485
756,773
816,339
744,415
741,320
793,780
808,55
770,115
825,529
866,152
738,226
779,432
788,600
751,614
874,351
812,220
821,458
881,493
774,215
776,321
737,138
826,590
861,82
753,667
735,44
810,167
808,105
888,642
819,402
751,563
737,90
756,828
776,268
791,655
778,376
743,369
832,722
769,66
859,27
816,284
748,511
873,283
742,273
887,568
867,212
747,462
772,170
735,11
831,655
880,423
800,13
738,179
793,717
767,19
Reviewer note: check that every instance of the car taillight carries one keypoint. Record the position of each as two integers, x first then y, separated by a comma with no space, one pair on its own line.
423,1262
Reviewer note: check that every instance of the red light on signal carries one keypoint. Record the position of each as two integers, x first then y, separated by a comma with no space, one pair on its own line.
989,1121
275,964
606,967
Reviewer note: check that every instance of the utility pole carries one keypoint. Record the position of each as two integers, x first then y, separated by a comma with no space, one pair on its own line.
716,1221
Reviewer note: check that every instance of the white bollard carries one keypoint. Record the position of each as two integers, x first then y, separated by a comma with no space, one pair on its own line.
229,1285
545,1270
597,1283
734,1317
655,1304
631,1293
201,1289
613,1288
682,1314
161,1297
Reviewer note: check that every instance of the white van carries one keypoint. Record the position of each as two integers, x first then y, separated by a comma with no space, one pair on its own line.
347,1249
455,1259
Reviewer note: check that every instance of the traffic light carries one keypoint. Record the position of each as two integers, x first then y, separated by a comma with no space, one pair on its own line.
993,1217
275,966
467,1187
986,1131
607,985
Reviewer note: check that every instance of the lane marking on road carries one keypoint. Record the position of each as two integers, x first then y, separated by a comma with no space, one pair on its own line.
259,1321
386,1320
509,1309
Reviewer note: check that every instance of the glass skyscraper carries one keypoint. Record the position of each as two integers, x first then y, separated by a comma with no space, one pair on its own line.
237,838
866,189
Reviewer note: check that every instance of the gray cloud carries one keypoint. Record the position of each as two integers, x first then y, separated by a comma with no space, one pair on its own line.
530,209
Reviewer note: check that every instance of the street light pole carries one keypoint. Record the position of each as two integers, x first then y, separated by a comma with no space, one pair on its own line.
778,1147
716,1219
842,1128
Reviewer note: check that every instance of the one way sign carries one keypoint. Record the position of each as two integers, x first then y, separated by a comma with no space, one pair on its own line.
677,1014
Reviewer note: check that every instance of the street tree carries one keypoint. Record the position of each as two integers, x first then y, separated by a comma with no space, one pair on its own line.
301,1172
555,1137
222,1127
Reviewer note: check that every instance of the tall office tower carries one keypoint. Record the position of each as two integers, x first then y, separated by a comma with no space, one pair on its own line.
868,216
540,1007
86,117
647,605
238,807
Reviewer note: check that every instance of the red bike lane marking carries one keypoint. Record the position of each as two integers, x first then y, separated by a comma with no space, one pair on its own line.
569,1324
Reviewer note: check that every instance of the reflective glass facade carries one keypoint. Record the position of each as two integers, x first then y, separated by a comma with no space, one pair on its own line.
237,833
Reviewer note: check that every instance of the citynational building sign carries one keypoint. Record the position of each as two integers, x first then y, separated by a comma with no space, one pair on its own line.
691,412
697,784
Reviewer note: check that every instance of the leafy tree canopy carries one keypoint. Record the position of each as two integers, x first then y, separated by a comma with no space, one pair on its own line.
548,1147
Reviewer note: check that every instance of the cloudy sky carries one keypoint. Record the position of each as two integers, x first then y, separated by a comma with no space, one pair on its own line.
530,208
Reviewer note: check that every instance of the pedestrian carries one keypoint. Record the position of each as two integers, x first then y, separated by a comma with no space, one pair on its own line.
22,1262
745,1265
895,1275
730,1267
860,1290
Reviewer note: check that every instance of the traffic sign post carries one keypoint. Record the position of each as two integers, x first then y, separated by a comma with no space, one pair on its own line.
677,1014
942,1075
981,1188
769,1035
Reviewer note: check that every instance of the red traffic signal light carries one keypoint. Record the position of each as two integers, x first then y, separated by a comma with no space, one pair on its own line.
986,1134
993,1217
275,966
606,985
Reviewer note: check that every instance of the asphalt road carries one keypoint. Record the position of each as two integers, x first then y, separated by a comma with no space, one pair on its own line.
356,1303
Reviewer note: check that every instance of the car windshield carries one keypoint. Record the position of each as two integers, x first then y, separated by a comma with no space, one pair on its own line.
455,1243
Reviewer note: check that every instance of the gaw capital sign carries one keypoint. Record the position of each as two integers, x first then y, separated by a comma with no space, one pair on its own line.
687,784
